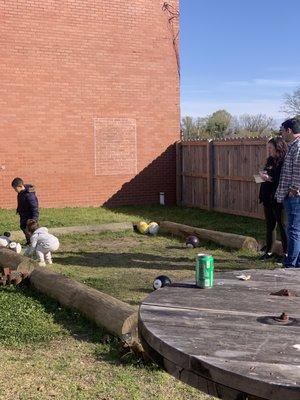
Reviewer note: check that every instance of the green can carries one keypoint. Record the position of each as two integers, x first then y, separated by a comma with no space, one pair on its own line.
204,271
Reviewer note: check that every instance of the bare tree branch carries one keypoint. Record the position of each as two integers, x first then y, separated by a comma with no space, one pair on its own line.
291,105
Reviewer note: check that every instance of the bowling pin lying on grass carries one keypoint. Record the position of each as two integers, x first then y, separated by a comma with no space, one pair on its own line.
4,240
15,247
161,281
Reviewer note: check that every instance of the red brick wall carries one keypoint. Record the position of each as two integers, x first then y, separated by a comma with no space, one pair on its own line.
89,101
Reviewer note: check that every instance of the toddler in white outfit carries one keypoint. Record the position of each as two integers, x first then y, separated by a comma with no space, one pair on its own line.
41,242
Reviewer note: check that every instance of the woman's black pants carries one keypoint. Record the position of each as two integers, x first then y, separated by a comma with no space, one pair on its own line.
274,217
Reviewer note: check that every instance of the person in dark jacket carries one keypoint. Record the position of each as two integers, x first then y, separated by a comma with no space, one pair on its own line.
273,211
28,205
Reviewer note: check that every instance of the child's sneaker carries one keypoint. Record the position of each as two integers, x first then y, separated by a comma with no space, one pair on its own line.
42,264
49,261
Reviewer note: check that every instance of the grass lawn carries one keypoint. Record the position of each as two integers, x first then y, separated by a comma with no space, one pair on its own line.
48,352
97,215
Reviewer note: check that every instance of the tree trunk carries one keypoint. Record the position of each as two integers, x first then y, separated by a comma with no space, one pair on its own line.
224,239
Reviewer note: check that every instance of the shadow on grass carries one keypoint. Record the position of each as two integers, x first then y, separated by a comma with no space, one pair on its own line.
116,354
123,260
109,348
72,321
143,290
182,247
207,245
81,329
235,261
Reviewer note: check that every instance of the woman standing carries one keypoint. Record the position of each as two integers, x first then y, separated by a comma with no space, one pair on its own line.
277,149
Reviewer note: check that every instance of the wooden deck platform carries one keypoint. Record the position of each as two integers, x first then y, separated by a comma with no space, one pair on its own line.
226,341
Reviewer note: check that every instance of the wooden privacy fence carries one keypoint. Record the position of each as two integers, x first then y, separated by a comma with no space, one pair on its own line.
218,174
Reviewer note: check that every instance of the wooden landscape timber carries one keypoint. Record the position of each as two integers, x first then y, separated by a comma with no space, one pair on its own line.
230,240
8,258
276,249
65,230
14,267
115,316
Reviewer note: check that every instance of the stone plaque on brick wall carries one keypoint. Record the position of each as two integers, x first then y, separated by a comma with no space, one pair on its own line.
115,146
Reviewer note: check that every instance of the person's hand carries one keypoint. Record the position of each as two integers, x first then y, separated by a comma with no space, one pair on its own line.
264,176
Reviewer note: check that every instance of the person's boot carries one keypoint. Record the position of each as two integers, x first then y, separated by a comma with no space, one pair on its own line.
266,256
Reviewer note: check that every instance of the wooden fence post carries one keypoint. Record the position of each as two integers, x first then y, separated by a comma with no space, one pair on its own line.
178,173
210,176
218,174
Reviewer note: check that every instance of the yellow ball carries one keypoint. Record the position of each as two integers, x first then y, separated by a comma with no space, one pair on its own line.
143,227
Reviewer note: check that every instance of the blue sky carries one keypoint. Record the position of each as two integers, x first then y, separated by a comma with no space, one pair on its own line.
239,55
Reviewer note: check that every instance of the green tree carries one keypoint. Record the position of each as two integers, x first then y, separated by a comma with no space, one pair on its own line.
193,128
218,123
187,127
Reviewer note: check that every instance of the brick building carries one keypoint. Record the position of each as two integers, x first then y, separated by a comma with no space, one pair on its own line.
89,96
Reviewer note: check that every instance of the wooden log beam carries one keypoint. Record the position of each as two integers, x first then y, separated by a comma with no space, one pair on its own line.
65,230
222,238
8,258
112,314
115,316
277,246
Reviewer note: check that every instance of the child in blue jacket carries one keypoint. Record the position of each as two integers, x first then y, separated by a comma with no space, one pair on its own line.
28,205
